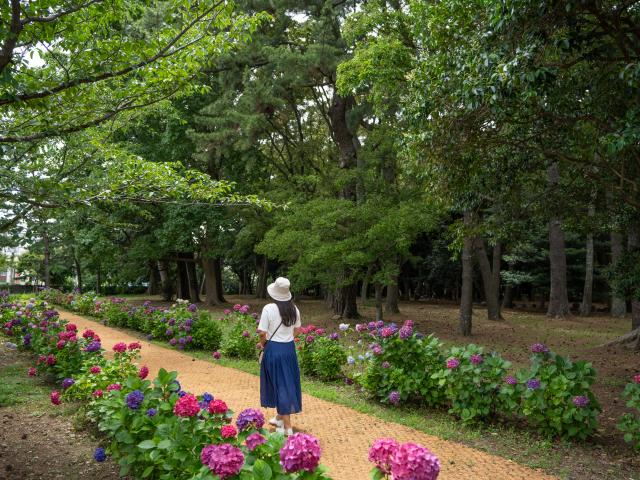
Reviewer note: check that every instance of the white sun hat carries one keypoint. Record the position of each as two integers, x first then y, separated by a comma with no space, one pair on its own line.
279,290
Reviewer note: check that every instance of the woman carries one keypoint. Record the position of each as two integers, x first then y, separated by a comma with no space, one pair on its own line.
279,372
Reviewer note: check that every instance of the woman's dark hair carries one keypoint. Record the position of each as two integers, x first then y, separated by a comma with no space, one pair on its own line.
288,312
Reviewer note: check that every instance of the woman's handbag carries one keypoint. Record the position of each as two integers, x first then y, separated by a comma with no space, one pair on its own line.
261,354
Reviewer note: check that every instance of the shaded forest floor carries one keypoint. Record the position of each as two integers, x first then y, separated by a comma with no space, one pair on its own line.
606,455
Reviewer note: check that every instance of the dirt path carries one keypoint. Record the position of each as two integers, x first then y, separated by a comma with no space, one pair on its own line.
345,434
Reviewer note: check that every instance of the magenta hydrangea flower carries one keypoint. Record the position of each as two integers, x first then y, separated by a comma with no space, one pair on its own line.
381,452
224,459
255,315
386,365
411,461
379,324
405,332
387,332
228,431
511,381
371,326
453,363
144,371
301,451
361,327
373,334
394,397
120,347
636,379
95,369
310,338
172,342
333,336
216,355
580,401
377,351
250,418
539,348
254,440
476,359
408,323
245,334
187,406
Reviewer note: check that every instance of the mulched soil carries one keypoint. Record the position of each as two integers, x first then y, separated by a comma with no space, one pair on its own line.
39,443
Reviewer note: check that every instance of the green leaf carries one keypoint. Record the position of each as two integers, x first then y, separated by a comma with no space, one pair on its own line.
146,445
147,471
261,470
165,444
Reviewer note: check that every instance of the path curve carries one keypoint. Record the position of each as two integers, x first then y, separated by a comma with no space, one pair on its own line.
345,435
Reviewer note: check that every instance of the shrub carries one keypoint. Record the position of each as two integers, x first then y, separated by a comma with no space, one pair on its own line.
327,358
207,334
628,423
239,343
470,381
552,384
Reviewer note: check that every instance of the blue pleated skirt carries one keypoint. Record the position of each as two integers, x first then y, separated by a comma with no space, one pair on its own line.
280,378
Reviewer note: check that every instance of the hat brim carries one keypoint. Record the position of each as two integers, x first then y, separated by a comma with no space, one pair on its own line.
271,290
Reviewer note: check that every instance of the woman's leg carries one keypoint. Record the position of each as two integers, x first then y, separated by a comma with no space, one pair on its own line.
278,417
287,421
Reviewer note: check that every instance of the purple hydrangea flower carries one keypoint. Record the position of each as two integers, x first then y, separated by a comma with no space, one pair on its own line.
348,381
99,455
254,315
151,412
150,336
135,399
182,341
394,397
223,459
67,382
379,324
93,347
405,333
377,351
386,365
301,451
373,334
511,381
533,384
538,348
250,418
189,338
372,326
373,345
172,342
411,461
171,322
580,401
192,308
207,398
333,336
169,332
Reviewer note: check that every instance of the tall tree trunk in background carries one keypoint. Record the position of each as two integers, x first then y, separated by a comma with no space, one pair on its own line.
345,303
328,301
585,308
507,301
163,270
493,306
466,301
633,242
618,305
217,268
365,285
152,289
183,280
202,284
497,280
47,261
78,273
378,287
192,277
558,298
262,268
211,298
391,302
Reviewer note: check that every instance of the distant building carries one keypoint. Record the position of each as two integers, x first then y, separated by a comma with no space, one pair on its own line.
10,274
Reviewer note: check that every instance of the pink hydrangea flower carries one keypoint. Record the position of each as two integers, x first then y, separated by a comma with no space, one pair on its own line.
32,372
41,358
229,431
218,407
411,461
301,451
319,331
227,312
453,363
381,452
216,355
187,406
476,359
237,307
310,338
55,398
120,347
636,379
134,346
254,440
51,360
387,332
88,333
70,327
224,459
60,344
114,386
95,370
144,371
98,393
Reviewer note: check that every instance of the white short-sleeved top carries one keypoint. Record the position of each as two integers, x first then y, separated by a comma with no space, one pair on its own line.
269,321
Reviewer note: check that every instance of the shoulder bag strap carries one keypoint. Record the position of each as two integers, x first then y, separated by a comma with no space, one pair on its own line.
274,334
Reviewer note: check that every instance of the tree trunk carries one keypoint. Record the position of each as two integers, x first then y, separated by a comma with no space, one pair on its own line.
633,242
407,288
192,278
217,268
378,290
78,274
47,261
497,280
211,298
543,298
202,283
296,296
329,298
493,306
618,305
558,298
345,301
585,309
183,278
391,302
152,289
365,285
163,270
507,301
262,268
466,302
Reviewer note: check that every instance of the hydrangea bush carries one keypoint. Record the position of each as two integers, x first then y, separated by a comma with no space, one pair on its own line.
630,423
320,354
243,338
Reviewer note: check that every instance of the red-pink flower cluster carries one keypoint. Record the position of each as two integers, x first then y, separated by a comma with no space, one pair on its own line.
60,344
88,333
95,369
218,407
51,360
55,398
134,346
636,379
32,372
229,431
98,393
114,386
144,371
187,406
120,347
70,327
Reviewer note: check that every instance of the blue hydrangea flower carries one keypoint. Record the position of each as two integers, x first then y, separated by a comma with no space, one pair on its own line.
361,358
533,384
368,355
359,342
99,455
351,360
135,399
151,412
351,347
150,336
